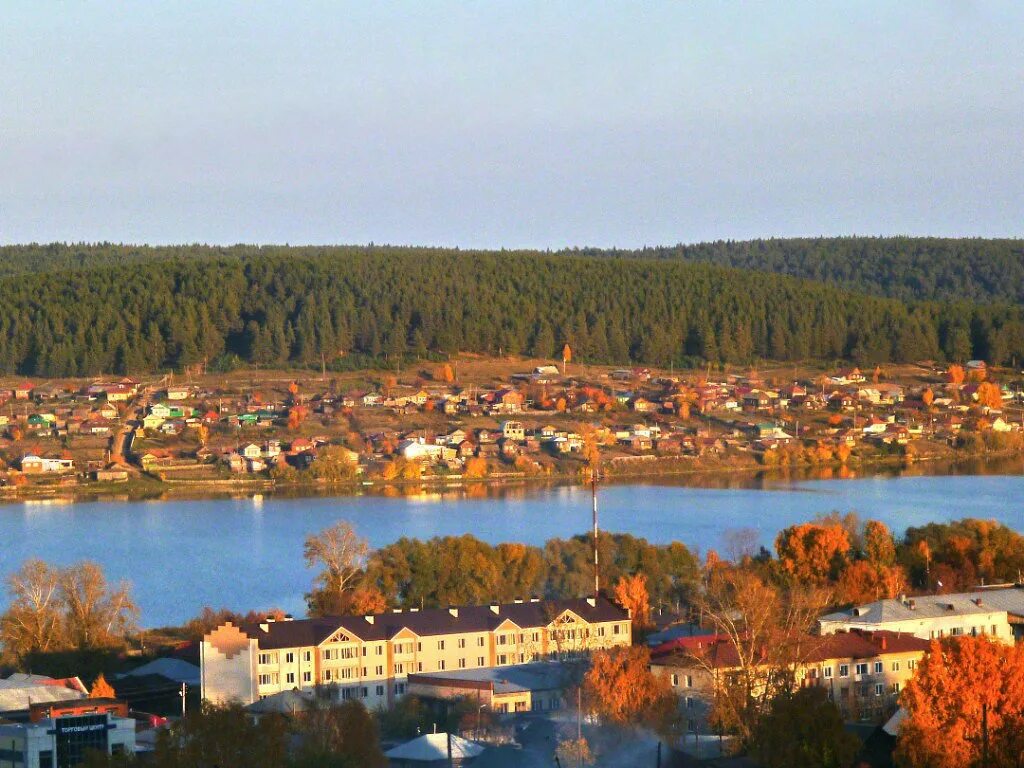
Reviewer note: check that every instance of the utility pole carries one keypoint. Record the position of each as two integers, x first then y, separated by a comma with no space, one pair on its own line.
593,496
182,694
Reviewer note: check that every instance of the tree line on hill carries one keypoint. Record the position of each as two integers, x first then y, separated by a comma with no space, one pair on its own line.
356,306
908,268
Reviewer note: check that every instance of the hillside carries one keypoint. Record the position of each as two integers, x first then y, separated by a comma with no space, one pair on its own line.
906,268
150,309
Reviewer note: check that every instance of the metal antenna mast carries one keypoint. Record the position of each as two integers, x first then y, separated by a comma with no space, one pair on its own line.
593,495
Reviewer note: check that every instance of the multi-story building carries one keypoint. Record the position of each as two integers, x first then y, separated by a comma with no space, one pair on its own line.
55,734
863,672
996,612
370,657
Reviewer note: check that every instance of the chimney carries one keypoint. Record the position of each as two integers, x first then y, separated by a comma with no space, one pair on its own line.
977,601
369,618
270,619
912,604
518,601
454,611
288,617
495,608
885,642
534,599
396,610
592,602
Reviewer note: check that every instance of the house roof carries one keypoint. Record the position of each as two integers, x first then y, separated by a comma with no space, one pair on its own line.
720,653
431,747
1009,599
433,621
536,676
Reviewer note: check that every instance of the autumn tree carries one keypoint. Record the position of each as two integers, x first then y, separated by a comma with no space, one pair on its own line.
879,544
101,689
475,468
34,620
341,555
964,703
222,735
955,374
803,728
97,614
445,373
813,553
989,395
769,630
928,397
339,735
335,464
620,689
631,593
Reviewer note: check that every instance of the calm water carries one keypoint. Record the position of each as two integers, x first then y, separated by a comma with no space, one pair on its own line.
247,553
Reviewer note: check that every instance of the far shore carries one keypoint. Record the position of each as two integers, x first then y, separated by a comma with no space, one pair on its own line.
654,472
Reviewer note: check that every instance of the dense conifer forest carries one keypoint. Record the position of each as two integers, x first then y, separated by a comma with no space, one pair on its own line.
83,310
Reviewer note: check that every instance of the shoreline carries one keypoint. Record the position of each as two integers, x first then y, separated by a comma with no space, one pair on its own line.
652,471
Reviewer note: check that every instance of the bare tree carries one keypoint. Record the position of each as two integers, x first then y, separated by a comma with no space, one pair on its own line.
341,553
34,621
97,614
740,544
770,632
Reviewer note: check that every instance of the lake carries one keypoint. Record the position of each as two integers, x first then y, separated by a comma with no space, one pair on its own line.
247,553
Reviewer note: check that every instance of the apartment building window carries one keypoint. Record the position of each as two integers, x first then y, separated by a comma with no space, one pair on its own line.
399,669
399,689
328,654
995,630
364,650
290,678
440,666
479,661
879,688
615,629
956,631
844,670
419,666
689,702
267,679
895,687
895,666
268,658
502,640
862,669
364,671
600,631
462,663
440,645
380,690
502,658
347,653
380,650
878,667
364,691
307,677
289,658
911,663
378,670
462,642
688,681
535,637
480,642
826,671
328,675
307,656
419,647
674,679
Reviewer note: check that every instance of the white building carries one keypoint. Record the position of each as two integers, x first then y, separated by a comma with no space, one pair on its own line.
997,612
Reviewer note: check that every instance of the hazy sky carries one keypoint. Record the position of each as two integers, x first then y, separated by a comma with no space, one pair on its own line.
509,124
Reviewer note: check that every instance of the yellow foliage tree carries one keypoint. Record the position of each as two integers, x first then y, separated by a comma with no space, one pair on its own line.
475,468
989,395
813,553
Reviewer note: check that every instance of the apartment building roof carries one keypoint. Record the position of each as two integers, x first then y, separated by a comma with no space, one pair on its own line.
432,621
1009,599
535,676
719,652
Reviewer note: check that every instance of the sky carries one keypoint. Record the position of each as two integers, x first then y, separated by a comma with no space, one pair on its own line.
509,124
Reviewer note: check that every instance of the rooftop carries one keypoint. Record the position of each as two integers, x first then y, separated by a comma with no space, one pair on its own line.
983,601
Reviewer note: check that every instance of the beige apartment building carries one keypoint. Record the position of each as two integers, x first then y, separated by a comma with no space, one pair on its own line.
863,672
370,657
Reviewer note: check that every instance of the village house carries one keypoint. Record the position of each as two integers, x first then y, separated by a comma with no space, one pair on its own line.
35,465
513,430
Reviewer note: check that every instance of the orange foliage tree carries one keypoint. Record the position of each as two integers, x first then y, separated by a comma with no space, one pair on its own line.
989,395
955,374
928,397
475,468
966,698
101,689
620,688
631,593
813,553
445,374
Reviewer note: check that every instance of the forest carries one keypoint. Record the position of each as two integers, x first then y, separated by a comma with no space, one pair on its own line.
87,310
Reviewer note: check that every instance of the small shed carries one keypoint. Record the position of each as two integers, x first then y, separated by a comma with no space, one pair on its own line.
432,748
